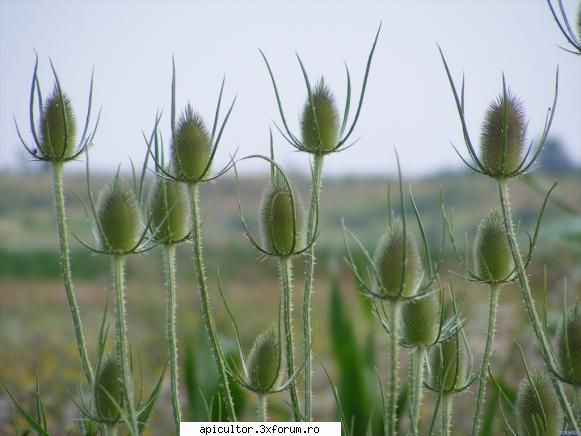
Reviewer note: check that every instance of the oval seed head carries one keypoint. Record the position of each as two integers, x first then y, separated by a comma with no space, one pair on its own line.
281,230
119,217
192,147
389,262
109,390
264,362
420,320
492,256
169,212
448,365
501,148
322,113
569,345
57,143
537,407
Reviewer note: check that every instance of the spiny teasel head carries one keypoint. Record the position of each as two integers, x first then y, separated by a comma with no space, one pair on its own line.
391,265
192,147
420,320
503,134
320,120
538,411
119,217
58,127
264,362
448,365
169,212
492,256
109,390
281,229
569,346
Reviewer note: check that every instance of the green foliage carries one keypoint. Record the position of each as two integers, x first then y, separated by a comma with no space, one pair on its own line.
492,255
192,146
569,345
264,362
58,127
320,120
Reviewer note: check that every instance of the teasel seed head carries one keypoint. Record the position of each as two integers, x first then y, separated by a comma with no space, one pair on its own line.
492,256
192,146
264,362
389,262
538,411
420,320
169,212
324,138
503,134
569,345
53,145
448,365
119,217
109,390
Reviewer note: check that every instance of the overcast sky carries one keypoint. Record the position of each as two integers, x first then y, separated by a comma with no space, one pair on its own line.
408,102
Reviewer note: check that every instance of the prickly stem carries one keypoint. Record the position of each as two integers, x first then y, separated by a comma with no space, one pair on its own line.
446,414
261,408
416,380
394,311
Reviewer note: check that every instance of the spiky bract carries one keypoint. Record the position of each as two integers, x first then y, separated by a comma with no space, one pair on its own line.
119,217
58,128
169,212
320,120
192,147
538,412
569,345
420,320
392,266
447,365
264,362
492,256
109,391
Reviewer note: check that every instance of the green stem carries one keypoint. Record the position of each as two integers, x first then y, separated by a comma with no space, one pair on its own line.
542,339
122,342
169,256
577,394
287,308
481,394
446,414
308,290
393,320
66,269
261,406
205,300
416,381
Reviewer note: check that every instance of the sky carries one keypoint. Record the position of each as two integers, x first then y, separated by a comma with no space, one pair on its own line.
408,104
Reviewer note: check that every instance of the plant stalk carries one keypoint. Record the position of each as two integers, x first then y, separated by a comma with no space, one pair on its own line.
205,300
261,406
446,414
394,310
542,339
416,380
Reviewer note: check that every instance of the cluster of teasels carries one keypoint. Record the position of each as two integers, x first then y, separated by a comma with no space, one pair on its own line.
402,279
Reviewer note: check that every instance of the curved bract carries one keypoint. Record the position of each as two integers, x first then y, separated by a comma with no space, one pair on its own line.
569,346
264,362
492,256
448,365
109,391
320,120
420,321
169,211
58,127
537,408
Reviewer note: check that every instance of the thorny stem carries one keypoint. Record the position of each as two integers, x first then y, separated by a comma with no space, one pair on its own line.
308,290
122,342
416,381
446,414
205,300
169,256
287,307
261,405
66,269
480,396
394,309
542,339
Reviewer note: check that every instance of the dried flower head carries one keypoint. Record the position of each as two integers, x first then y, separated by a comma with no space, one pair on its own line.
264,362
569,345
109,391
320,120
169,212
448,365
420,320
537,408
492,256
58,127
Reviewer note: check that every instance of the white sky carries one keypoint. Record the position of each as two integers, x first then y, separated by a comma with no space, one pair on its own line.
408,103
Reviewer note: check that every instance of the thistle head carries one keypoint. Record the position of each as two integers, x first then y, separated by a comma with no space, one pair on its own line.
492,256
392,267
264,362
109,391
169,212
58,127
502,138
538,411
448,365
119,217
569,345
320,120
192,147
420,320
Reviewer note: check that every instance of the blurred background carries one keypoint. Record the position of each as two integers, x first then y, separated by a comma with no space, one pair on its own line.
408,105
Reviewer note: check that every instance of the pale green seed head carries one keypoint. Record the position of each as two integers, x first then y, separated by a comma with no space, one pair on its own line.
326,137
169,212
420,320
533,402
264,362
109,390
53,145
389,262
448,365
192,147
492,256
119,217
569,345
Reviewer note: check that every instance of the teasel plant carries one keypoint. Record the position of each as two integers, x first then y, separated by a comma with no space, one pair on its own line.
281,225
55,143
502,157
560,16
322,132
